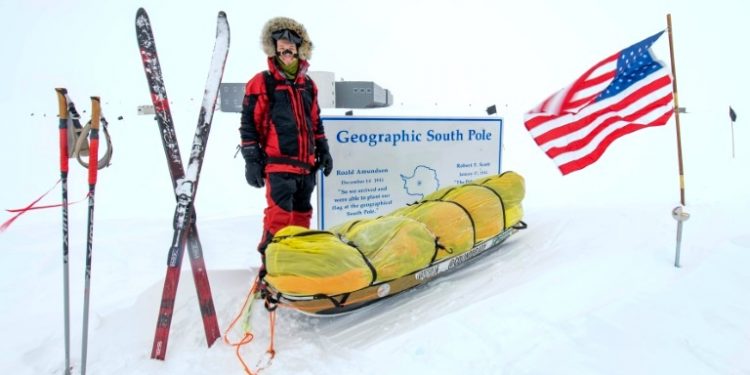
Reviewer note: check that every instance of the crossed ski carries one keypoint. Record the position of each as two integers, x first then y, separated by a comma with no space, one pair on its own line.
184,184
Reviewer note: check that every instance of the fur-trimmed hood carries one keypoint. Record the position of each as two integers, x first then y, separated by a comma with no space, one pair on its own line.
280,23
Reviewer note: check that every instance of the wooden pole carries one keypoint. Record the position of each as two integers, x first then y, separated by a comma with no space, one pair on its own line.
676,112
678,213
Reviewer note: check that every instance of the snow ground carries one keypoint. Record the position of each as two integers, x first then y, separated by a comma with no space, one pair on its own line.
588,288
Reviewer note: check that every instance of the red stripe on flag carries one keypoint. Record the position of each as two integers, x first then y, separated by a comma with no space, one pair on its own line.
592,157
582,82
612,110
632,118
578,124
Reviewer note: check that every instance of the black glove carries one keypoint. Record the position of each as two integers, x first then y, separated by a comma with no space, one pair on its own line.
255,164
323,157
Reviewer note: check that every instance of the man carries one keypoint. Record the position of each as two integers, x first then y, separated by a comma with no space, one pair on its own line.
282,138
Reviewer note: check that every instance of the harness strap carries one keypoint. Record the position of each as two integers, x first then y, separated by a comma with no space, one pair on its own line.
290,161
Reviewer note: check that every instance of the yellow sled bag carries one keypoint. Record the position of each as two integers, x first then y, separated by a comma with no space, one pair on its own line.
483,205
395,246
512,187
448,221
309,262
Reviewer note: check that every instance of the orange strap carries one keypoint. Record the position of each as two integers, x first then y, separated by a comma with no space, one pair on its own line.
248,336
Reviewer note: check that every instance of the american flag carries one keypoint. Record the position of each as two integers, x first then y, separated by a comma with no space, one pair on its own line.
625,92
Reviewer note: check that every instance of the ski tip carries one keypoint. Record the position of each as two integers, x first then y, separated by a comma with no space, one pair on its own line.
222,24
141,19
141,14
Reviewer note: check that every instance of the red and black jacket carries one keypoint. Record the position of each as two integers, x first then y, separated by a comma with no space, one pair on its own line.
283,117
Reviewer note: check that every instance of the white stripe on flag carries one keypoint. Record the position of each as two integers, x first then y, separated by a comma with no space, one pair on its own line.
594,144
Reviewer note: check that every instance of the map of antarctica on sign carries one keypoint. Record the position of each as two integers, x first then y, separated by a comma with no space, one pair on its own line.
423,181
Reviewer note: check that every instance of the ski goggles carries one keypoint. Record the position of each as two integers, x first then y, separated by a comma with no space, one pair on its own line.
288,35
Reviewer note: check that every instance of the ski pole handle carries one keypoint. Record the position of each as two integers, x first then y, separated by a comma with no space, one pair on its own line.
62,106
96,113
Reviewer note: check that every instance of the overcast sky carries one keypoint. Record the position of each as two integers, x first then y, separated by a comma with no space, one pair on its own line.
464,52
446,56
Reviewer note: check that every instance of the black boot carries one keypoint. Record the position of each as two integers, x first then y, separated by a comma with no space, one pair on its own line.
260,284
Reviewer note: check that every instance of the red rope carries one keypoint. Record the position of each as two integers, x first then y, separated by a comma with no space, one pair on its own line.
22,211
12,210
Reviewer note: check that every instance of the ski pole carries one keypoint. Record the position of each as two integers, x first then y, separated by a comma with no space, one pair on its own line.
93,167
62,105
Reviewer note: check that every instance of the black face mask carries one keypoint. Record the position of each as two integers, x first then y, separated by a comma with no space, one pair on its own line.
286,52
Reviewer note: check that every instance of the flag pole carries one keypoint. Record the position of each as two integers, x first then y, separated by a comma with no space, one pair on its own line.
678,213
732,126
676,112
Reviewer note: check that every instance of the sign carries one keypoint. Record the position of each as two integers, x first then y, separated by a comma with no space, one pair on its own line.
384,163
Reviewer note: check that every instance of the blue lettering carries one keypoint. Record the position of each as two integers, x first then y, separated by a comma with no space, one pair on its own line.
483,135
451,136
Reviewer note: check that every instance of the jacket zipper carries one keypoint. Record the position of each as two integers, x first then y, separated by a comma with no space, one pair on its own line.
302,126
